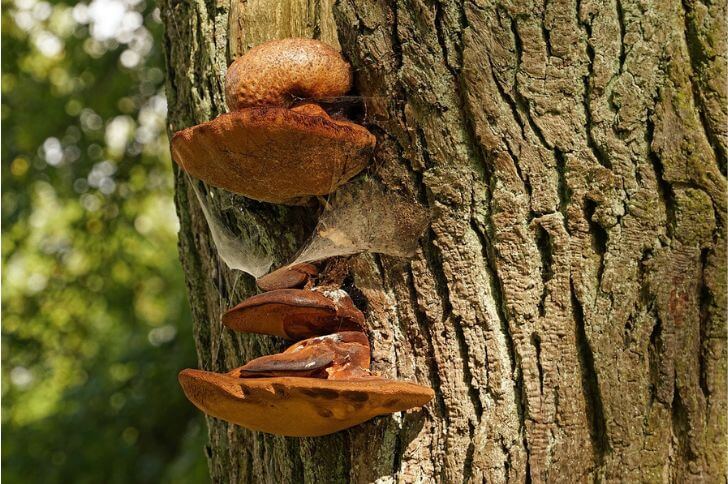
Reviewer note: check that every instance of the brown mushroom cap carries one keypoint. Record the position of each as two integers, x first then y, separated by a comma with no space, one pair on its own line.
288,277
275,155
295,314
340,356
298,407
271,74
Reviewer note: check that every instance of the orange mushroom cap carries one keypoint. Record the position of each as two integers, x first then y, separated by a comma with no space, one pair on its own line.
274,73
274,154
334,356
295,314
288,277
298,407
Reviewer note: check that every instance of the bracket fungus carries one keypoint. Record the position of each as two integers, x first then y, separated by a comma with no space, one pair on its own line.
335,356
266,150
299,407
295,313
276,73
319,385
271,150
288,277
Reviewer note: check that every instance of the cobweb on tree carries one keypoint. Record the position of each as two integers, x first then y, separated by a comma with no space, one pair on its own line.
363,216
243,252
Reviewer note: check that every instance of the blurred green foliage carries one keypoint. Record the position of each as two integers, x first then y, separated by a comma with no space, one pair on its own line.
95,320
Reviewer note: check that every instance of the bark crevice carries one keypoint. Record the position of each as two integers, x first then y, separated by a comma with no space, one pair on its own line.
590,385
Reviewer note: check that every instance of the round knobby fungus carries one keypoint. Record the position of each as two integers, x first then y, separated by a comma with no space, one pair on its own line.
266,151
295,314
299,407
277,72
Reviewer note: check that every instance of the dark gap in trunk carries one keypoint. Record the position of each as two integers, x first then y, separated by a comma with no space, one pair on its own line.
545,250
664,188
536,342
590,385
704,304
599,236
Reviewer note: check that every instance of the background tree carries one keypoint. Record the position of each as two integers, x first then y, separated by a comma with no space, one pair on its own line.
94,323
568,302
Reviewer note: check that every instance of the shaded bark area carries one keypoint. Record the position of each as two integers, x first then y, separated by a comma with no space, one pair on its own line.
568,301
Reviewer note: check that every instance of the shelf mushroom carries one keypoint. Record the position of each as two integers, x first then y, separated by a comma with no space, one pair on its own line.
334,356
319,385
295,313
268,150
299,407
288,277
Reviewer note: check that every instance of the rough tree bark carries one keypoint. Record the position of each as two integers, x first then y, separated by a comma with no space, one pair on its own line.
568,302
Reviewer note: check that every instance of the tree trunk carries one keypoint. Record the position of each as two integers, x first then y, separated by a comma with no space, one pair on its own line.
568,302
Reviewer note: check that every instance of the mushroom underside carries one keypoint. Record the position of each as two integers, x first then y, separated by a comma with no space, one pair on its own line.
274,154
299,407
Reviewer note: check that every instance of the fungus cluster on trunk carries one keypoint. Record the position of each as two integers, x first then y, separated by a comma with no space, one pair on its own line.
321,384
271,149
